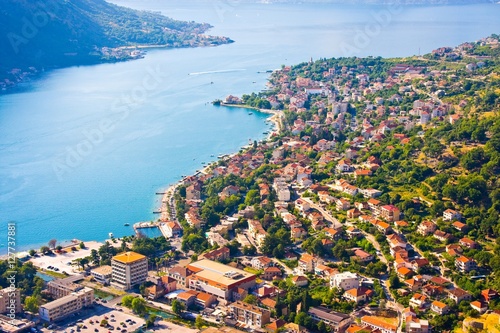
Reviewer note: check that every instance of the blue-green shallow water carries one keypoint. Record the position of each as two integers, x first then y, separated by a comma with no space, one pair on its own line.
145,143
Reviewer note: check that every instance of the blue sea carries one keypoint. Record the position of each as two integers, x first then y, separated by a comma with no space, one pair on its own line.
84,149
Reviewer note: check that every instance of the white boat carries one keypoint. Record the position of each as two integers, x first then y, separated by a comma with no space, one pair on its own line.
110,235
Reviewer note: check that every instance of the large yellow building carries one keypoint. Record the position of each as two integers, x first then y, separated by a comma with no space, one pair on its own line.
128,269
64,306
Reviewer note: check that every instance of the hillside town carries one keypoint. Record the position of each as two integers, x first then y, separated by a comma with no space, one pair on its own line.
372,207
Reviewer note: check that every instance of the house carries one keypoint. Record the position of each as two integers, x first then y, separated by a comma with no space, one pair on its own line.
302,205
389,213
450,215
332,233
377,324
306,263
489,294
440,307
261,262
219,254
358,295
418,301
345,281
300,281
462,227
270,273
171,229
353,232
275,326
344,166
479,306
363,256
374,206
353,213
383,227
405,273
336,320
362,173
426,227
459,295
297,233
442,236
187,298
464,264
342,204
469,243
204,300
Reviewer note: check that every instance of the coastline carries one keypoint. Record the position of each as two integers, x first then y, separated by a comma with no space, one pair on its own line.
275,118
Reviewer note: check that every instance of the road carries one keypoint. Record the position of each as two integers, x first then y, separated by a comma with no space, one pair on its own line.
335,223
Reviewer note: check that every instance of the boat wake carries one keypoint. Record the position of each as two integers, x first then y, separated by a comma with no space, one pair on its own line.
217,72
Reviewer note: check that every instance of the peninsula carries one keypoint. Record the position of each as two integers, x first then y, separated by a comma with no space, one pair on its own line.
39,36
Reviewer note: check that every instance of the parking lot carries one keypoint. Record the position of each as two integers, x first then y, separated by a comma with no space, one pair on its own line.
120,319
89,321
62,261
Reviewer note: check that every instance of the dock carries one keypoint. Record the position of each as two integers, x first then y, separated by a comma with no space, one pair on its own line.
145,225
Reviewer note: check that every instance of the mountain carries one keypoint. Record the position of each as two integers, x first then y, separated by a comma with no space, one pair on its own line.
58,33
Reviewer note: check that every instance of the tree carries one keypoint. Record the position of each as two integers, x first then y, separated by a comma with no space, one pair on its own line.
45,249
32,252
127,300
82,245
82,262
199,322
250,299
94,255
52,243
31,304
151,320
177,307
139,305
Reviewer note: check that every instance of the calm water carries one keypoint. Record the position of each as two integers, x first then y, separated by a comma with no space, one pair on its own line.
84,151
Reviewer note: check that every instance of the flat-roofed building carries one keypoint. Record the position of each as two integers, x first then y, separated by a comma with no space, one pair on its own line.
67,305
10,300
128,269
102,274
9,325
250,315
336,320
62,287
218,279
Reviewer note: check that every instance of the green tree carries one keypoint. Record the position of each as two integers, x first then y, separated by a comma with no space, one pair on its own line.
32,252
31,304
82,245
127,301
199,322
250,299
139,305
177,307
151,320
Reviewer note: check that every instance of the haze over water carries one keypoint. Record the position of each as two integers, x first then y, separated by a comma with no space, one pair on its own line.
85,148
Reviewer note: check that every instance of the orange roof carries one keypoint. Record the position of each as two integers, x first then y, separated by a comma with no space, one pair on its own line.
439,304
129,257
378,323
404,271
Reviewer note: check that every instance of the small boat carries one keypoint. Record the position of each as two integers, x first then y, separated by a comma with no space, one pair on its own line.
110,235
265,132
126,224
250,113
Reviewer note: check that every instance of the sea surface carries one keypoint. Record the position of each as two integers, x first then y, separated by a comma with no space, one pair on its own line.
84,149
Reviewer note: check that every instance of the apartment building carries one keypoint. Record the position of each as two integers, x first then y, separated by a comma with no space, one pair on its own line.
102,274
10,300
250,315
67,305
